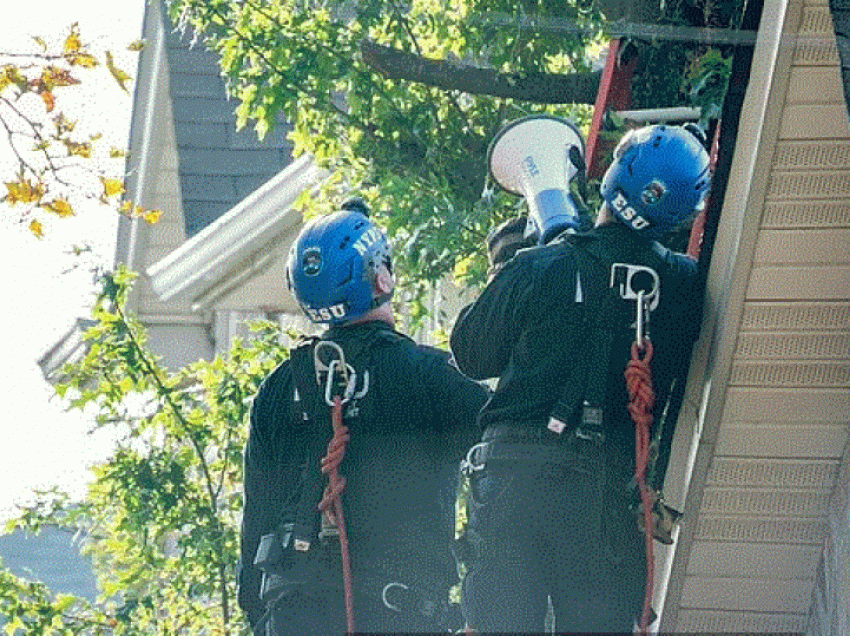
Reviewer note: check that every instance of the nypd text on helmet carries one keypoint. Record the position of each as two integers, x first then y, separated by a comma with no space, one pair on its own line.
367,240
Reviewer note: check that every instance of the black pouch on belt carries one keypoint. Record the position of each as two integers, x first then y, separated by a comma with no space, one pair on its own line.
284,568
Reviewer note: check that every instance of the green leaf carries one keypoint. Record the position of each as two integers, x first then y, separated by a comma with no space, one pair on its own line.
64,602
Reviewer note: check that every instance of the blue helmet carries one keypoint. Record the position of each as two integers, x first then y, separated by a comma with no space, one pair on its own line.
333,262
659,178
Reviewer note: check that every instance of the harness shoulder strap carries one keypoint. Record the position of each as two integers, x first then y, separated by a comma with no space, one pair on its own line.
604,315
308,400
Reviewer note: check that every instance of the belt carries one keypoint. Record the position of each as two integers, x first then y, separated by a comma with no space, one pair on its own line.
536,433
512,443
393,594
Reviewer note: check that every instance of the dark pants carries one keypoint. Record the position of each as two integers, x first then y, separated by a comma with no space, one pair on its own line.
322,613
317,607
540,528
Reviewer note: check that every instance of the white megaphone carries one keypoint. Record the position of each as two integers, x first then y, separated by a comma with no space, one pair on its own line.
536,157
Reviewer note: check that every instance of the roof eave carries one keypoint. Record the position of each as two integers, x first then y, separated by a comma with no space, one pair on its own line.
70,348
200,263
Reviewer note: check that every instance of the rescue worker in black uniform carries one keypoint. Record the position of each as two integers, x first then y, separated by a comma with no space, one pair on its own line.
551,482
411,416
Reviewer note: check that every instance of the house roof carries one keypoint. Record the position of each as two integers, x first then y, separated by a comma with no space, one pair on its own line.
218,165
237,191
224,248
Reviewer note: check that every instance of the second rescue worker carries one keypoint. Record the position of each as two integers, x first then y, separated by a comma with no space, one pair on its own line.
549,511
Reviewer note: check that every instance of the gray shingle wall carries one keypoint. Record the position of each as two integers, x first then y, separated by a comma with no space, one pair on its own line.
218,166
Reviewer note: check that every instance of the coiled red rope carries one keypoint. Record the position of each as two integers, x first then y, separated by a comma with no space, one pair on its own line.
331,503
641,401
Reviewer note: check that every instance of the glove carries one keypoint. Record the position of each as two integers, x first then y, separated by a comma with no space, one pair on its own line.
505,241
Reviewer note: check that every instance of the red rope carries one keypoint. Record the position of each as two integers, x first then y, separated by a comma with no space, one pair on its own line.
333,499
641,400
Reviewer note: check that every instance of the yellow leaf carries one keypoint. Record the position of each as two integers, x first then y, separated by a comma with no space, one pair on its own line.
152,216
120,76
49,100
136,45
78,148
126,207
52,76
23,191
40,41
86,60
73,43
63,124
60,207
111,187
37,228
117,153
11,74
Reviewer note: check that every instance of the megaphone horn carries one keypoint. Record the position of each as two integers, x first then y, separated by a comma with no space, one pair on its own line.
530,157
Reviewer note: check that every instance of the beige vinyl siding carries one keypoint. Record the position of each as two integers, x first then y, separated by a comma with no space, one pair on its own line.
769,464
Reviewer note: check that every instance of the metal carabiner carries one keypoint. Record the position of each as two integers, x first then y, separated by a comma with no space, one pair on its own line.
345,370
330,369
321,366
348,375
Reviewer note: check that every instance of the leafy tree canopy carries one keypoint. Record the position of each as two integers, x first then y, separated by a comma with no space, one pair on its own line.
160,520
416,150
400,100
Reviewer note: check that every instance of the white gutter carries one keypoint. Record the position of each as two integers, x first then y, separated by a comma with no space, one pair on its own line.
675,113
70,348
200,262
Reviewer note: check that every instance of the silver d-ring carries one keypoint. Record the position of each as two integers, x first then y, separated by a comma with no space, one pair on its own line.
386,589
466,464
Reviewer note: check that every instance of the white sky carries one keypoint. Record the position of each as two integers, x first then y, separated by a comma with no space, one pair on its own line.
41,444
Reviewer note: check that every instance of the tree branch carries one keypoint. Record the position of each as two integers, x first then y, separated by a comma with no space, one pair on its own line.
542,88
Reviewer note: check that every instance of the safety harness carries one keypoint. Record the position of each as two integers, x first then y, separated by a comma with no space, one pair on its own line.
326,390
633,291
617,305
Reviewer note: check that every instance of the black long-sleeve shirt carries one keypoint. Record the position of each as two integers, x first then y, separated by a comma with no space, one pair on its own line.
415,423
525,326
